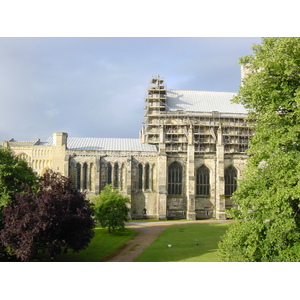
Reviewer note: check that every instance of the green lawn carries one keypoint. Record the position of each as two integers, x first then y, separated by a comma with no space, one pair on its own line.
182,238
102,244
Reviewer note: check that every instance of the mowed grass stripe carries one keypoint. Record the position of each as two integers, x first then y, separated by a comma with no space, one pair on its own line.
183,249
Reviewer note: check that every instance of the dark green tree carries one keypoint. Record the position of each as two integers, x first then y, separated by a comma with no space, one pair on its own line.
111,209
14,174
267,215
50,220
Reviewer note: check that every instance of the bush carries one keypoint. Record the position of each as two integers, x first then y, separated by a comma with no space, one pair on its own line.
111,209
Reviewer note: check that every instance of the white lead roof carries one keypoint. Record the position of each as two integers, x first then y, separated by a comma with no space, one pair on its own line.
203,101
112,144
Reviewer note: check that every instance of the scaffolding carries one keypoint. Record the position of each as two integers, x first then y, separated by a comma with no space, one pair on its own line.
205,125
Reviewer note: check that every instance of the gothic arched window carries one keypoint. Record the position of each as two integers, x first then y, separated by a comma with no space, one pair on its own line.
116,175
109,172
230,181
78,175
175,179
140,167
24,156
202,181
85,176
147,177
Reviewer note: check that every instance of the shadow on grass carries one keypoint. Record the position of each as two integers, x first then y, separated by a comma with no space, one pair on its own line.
102,244
185,243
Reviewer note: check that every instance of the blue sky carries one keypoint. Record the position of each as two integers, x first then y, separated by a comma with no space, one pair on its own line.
95,87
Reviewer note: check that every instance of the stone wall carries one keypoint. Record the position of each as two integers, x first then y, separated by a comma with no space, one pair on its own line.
141,176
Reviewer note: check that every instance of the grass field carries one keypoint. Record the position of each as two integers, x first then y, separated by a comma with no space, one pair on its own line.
183,240
102,244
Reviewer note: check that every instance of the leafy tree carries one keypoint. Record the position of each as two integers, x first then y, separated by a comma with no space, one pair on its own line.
14,173
111,209
267,226
51,220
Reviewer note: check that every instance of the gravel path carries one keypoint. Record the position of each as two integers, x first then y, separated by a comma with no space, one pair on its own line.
147,233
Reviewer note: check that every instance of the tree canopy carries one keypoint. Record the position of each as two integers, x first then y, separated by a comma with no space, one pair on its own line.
111,209
14,173
267,212
50,220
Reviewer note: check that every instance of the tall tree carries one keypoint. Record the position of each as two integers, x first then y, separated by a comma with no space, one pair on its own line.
267,215
111,209
14,174
51,220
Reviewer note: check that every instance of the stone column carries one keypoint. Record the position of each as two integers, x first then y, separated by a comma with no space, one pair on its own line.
113,174
128,182
96,178
144,177
220,196
119,176
128,176
60,161
190,177
162,178
151,177
87,176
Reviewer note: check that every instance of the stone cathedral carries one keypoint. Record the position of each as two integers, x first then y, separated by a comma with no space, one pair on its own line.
185,165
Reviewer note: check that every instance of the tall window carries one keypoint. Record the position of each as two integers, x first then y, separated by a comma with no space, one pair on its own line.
202,181
91,174
109,172
85,176
175,179
116,175
147,177
230,181
78,175
140,167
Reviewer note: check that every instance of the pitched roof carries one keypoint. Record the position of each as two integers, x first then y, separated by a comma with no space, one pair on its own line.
113,144
203,101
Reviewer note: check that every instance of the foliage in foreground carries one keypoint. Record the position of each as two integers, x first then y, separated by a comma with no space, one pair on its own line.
267,226
111,209
14,174
51,220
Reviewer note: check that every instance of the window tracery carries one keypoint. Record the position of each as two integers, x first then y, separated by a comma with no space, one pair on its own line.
230,180
175,179
202,181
